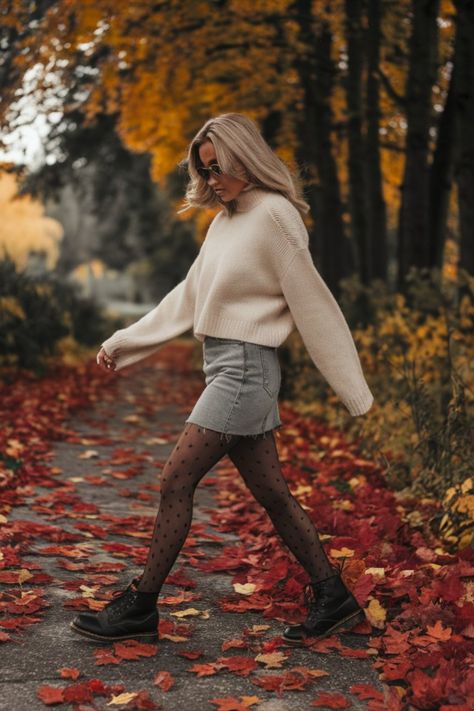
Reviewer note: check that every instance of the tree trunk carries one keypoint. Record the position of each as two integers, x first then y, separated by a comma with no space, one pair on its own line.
413,231
376,213
464,161
358,203
441,176
315,68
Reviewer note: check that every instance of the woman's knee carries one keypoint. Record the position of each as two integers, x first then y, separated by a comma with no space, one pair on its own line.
176,486
272,498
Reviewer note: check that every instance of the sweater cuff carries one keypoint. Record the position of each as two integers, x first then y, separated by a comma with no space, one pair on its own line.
112,345
360,404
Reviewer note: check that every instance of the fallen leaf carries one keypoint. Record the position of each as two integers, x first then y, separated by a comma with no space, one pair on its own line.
190,611
245,589
341,553
124,698
272,660
88,454
376,614
50,695
331,700
438,631
69,672
164,680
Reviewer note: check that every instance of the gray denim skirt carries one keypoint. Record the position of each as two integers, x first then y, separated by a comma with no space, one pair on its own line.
242,384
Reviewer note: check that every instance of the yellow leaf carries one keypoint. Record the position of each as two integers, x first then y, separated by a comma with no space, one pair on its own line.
338,453
341,552
189,612
376,572
131,418
344,505
88,454
466,485
14,447
246,589
301,489
376,614
272,660
259,628
173,637
24,575
122,698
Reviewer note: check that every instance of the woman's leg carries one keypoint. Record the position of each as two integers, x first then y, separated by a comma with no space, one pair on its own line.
258,463
196,451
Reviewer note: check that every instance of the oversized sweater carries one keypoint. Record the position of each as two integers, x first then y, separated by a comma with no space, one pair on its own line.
254,279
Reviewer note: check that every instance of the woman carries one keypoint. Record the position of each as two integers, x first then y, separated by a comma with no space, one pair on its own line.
251,284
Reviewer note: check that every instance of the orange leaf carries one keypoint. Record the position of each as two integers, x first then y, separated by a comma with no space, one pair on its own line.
229,703
132,649
242,666
331,700
69,672
50,695
203,669
438,631
164,680
105,656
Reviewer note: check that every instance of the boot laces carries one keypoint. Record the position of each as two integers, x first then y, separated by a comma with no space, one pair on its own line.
121,599
317,596
315,602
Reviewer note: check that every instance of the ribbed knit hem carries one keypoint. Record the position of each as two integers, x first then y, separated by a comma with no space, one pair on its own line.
360,404
127,356
223,327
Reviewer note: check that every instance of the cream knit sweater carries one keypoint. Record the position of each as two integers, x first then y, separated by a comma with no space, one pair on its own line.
254,280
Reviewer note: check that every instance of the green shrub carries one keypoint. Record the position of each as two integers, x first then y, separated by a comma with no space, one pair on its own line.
37,312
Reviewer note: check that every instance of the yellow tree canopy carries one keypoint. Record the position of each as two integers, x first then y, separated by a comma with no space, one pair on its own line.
24,227
165,68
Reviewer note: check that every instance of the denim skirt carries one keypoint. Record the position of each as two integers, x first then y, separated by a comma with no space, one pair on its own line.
242,384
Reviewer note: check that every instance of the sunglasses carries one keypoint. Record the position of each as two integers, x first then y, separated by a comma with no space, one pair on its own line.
205,172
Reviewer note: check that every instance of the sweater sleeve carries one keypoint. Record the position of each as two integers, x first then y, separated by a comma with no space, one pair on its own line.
325,332
171,317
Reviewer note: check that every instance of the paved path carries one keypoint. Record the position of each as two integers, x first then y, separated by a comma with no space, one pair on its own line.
130,416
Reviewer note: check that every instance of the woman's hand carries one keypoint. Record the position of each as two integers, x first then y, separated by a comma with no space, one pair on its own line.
105,361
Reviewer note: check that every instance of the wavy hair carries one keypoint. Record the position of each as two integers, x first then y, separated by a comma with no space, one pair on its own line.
243,153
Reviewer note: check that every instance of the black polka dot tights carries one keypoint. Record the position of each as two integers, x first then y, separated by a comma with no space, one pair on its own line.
256,459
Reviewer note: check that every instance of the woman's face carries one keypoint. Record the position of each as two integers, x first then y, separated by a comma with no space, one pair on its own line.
225,186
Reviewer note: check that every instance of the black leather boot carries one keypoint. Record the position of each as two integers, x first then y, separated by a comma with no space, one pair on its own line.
331,606
129,614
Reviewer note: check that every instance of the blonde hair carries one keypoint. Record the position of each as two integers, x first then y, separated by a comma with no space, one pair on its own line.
243,153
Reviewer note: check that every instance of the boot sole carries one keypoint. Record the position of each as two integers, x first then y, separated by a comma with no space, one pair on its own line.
344,625
91,635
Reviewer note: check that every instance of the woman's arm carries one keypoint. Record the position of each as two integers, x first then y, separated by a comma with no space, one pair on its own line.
325,332
171,317
315,311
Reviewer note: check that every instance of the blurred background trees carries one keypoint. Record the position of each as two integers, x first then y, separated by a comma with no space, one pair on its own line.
371,100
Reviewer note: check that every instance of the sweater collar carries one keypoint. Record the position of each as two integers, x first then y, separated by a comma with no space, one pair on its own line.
248,197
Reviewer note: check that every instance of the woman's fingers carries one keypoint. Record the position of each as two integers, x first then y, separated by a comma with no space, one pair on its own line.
105,361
